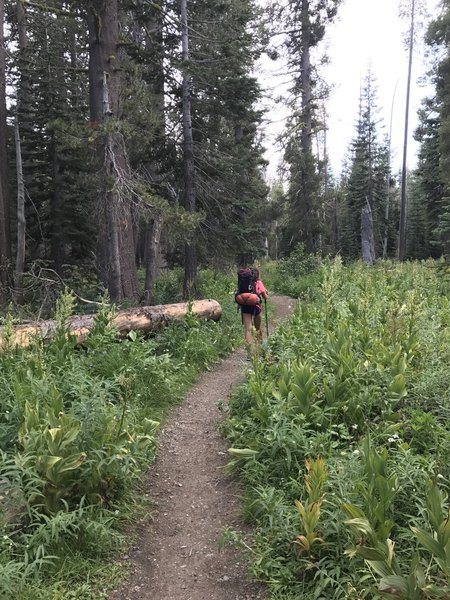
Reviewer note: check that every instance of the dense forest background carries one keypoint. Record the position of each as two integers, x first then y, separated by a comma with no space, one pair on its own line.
131,140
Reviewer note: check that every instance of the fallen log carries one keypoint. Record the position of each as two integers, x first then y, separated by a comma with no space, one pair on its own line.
145,319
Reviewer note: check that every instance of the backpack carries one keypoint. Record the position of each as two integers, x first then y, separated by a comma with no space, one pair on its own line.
246,292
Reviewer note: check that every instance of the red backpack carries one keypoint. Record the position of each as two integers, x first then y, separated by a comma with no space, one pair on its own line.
246,292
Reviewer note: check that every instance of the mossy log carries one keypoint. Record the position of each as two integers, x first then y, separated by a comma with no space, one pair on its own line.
145,319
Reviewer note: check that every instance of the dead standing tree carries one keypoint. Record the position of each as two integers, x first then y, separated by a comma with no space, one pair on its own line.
190,254
412,9
5,238
115,247
367,238
23,92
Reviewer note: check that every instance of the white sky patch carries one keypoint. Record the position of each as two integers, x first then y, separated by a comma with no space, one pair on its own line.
367,33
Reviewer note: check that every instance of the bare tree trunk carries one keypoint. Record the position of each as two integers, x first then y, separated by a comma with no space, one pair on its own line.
388,190
367,237
190,253
55,71
115,248
306,128
21,223
22,99
5,234
305,76
404,198
153,237
56,241
153,228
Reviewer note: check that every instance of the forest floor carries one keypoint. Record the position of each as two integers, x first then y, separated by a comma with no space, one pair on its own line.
176,554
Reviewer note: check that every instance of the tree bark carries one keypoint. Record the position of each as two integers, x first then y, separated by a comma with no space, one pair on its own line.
146,319
115,250
153,229
56,72
367,237
5,234
21,222
306,127
404,198
388,187
152,252
190,253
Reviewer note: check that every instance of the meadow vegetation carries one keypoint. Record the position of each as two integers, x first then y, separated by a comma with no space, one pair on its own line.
341,437
77,428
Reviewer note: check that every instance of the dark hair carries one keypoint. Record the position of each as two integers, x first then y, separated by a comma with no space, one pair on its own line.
256,272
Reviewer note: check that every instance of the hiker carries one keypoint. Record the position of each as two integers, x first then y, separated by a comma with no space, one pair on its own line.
250,292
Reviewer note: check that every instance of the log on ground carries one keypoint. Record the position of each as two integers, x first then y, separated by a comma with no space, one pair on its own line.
145,319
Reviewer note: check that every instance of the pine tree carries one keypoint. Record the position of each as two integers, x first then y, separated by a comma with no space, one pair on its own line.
417,241
428,179
413,10
367,179
438,38
305,22
115,246
99,115
51,76
230,190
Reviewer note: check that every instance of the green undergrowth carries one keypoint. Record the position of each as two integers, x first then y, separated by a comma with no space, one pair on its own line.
341,438
77,428
298,275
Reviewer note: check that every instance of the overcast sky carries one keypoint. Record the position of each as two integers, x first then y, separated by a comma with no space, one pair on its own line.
367,32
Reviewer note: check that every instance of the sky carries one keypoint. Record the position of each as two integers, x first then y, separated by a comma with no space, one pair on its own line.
366,34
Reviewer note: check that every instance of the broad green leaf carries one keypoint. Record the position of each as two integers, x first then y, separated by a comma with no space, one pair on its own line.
394,584
370,553
353,511
361,525
429,543
381,568
54,433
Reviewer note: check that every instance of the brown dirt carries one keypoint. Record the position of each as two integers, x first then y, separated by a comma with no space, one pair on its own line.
177,556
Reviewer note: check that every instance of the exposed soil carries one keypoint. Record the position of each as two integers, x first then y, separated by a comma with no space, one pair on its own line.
177,556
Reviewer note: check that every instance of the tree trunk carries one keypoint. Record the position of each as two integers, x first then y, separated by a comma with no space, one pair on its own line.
305,79
153,229
152,252
21,223
5,235
404,199
306,129
56,241
190,253
145,319
22,102
367,237
387,207
115,248
55,72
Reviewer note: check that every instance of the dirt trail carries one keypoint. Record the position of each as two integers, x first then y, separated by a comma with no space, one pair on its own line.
177,556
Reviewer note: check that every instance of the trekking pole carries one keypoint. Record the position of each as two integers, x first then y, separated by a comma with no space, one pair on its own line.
267,322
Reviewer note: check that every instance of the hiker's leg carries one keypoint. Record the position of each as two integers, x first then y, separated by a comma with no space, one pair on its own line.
257,322
247,318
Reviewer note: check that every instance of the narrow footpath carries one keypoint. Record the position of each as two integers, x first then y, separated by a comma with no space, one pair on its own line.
177,556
